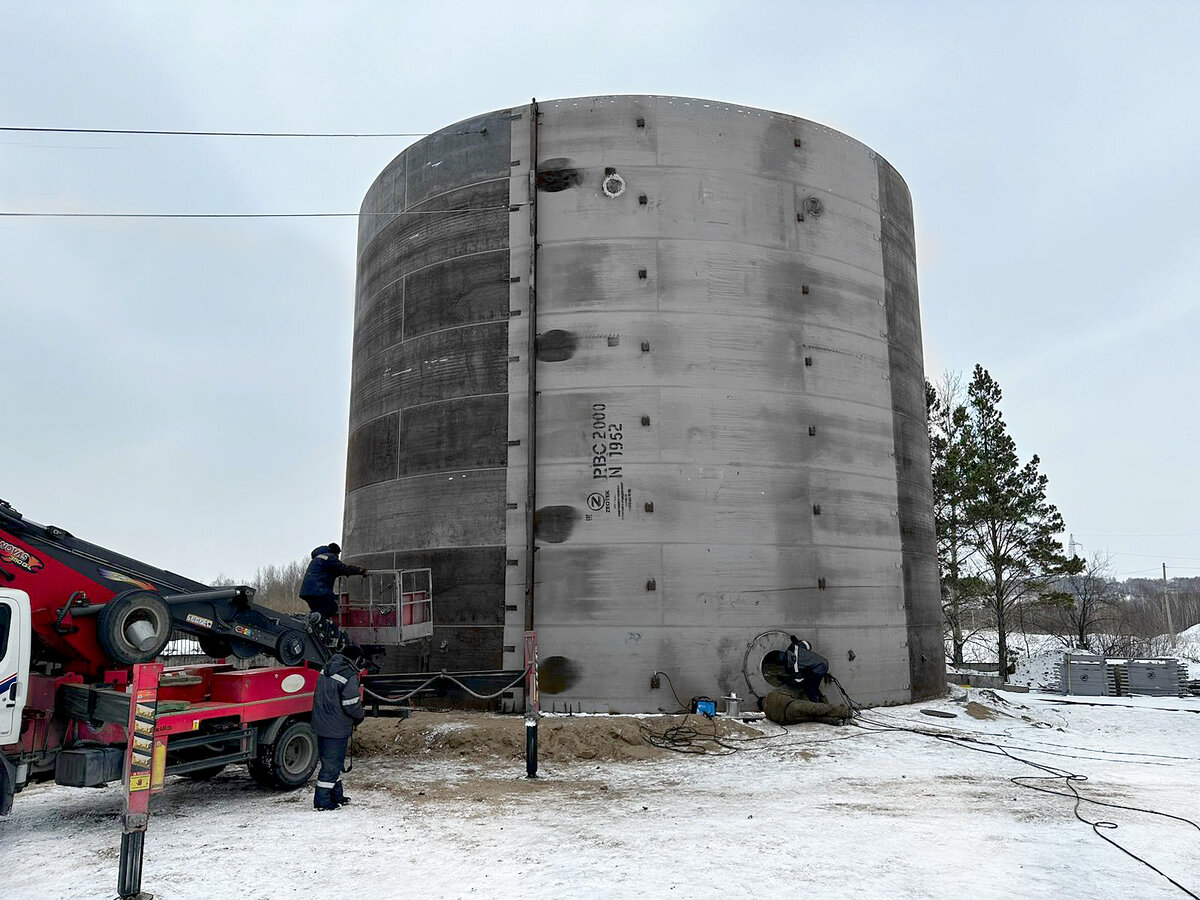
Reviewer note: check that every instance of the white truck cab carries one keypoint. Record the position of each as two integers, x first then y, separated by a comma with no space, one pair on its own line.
15,632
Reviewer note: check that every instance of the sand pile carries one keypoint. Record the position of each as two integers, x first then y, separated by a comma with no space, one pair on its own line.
560,738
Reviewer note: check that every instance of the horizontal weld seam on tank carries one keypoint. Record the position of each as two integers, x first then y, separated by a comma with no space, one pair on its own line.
392,412
434,403
425,334
758,467
431,550
857,548
437,474
872,336
404,212
883,359
776,247
461,187
723,172
718,105
440,262
887,407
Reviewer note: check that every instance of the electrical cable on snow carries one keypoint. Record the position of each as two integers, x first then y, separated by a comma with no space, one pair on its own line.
1059,747
1070,779
684,738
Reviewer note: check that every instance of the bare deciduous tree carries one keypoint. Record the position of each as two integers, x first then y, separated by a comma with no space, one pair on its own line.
1088,609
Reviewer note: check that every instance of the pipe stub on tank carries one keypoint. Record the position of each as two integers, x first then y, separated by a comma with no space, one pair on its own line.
613,185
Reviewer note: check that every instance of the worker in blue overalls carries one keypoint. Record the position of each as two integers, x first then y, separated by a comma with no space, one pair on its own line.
805,668
317,588
337,708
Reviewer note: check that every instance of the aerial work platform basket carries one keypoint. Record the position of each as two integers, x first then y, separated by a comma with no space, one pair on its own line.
395,606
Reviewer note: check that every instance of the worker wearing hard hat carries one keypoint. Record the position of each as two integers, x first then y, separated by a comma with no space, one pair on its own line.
337,708
805,668
317,588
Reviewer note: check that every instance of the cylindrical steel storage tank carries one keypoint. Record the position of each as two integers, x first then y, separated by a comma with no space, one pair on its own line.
665,408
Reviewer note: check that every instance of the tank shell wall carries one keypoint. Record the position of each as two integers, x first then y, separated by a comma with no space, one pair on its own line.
730,407
425,480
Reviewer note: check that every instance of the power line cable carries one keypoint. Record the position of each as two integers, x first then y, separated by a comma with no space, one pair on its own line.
269,134
1176,534
1156,556
296,215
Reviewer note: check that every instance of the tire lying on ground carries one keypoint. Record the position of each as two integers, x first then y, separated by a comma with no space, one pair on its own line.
134,627
784,709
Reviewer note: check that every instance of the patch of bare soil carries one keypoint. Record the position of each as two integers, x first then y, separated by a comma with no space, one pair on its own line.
979,711
560,738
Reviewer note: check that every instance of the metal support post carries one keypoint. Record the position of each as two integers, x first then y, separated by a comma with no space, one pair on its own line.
532,705
129,877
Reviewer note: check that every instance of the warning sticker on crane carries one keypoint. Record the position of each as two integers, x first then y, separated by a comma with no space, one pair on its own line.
143,748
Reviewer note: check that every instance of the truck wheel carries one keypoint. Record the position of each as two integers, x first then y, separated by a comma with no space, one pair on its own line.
244,649
134,627
290,648
289,761
214,645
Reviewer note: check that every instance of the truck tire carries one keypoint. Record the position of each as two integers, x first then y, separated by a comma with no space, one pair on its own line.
290,647
289,761
134,627
214,645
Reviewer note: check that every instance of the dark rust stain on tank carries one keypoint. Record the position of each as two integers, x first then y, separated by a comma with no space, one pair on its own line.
554,524
556,175
557,674
556,346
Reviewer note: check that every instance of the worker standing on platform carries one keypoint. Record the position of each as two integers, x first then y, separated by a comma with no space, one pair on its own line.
337,709
317,588
805,668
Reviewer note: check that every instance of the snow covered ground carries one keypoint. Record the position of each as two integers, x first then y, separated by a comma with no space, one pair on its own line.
821,811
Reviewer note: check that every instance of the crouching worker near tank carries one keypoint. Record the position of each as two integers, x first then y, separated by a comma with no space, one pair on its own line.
805,668
317,588
337,708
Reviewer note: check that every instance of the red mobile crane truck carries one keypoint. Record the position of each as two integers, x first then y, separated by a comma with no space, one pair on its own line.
76,618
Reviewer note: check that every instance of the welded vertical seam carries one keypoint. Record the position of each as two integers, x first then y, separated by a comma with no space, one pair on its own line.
531,313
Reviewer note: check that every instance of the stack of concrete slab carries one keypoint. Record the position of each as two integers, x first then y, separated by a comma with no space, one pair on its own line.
1087,675
1155,678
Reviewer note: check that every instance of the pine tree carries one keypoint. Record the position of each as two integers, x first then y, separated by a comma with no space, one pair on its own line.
950,452
1009,524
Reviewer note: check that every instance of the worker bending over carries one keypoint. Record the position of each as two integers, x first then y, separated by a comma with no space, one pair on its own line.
806,668
337,708
317,588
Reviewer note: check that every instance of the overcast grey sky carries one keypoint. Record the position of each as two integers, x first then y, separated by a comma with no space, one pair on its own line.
178,390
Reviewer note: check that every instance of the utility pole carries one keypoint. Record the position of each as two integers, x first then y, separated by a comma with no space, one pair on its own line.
1167,607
